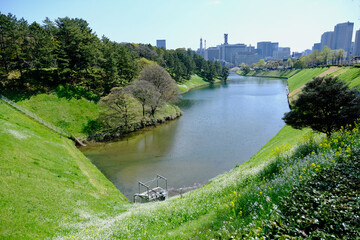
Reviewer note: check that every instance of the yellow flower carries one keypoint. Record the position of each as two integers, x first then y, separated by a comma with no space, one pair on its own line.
232,203
240,213
313,165
301,178
313,153
304,169
318,166
316,169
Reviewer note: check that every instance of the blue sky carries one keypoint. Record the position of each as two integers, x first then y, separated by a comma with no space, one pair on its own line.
292,23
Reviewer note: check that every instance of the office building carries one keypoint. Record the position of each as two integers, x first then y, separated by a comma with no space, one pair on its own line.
343,36
356,52
327,40
317,46
266,49
282,53
161,43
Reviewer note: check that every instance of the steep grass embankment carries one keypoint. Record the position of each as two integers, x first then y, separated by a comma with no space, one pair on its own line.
194,82
298,78
47,186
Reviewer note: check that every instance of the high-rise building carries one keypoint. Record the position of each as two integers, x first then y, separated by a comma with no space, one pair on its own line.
343,36
161,43
356,52
327,39
226,39
282,53
317,46
266,49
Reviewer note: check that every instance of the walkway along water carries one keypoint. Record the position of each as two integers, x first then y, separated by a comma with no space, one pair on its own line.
222,125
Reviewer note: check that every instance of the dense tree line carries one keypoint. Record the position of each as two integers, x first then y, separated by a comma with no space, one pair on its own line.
314,59
67,53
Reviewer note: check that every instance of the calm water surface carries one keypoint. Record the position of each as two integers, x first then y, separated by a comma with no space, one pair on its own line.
222,125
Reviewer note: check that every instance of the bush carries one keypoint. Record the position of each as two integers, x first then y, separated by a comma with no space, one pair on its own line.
92,127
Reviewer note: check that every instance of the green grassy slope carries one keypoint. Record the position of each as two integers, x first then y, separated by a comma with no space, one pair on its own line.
350,75
70,115
304,76
194,82
46,184
271,73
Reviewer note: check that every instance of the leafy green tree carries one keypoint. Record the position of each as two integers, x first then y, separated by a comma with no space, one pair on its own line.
79,46
119,110
42,47
210,74
300,64
245,68
225,73
324,105
145,92
164,84
325,55
289,63
261,63
7,40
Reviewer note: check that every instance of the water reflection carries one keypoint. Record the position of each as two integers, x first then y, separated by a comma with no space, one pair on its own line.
222,125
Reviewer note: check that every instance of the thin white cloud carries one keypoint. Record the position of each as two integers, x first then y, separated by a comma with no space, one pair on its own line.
213,3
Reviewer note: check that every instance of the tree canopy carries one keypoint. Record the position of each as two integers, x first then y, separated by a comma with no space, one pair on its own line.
67,52
325,104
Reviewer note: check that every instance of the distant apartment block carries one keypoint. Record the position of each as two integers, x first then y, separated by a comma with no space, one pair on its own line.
327,39
281,53
161,43
241,53
343,36
317,46
265,49
357,44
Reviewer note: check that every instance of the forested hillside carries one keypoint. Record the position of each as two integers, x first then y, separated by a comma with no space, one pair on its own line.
67,56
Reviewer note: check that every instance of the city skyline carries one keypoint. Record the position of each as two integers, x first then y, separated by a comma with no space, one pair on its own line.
182,23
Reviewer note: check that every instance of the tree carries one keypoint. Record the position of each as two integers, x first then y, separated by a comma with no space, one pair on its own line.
225,71
118,111
145,92
325,54
300,64
325,104
163,82
261,63
289,63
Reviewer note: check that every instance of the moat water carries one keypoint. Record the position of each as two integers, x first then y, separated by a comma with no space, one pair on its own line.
222,125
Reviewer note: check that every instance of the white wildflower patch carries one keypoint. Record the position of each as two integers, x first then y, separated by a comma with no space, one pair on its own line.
17,134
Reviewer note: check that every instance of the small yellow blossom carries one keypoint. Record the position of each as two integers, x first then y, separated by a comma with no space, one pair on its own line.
313,165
